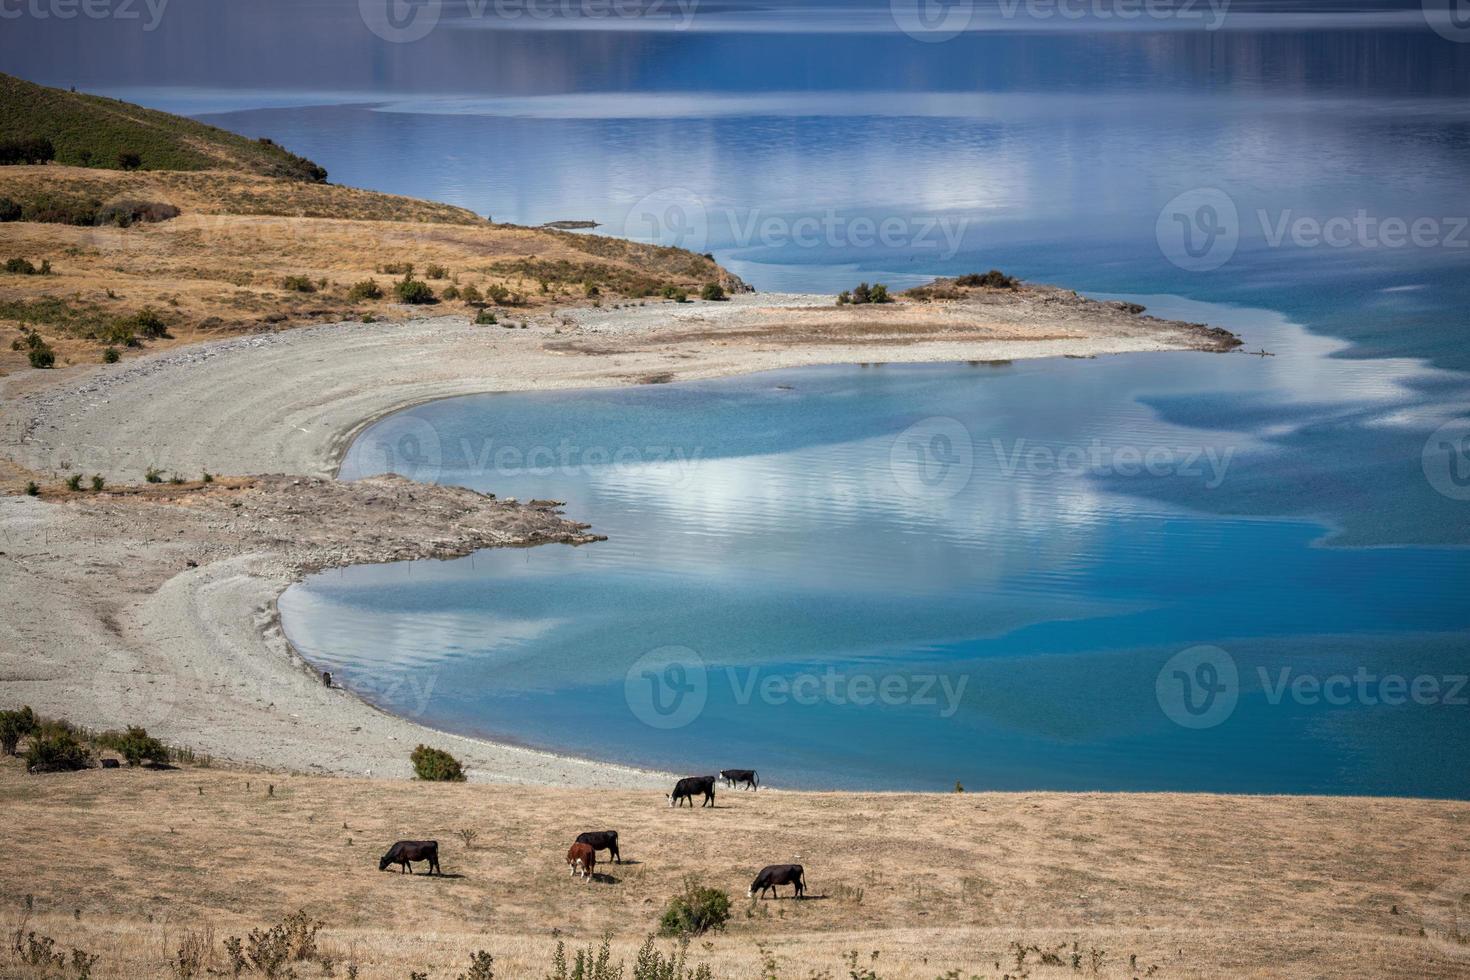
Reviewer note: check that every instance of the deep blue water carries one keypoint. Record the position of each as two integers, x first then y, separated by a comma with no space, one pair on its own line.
1304,512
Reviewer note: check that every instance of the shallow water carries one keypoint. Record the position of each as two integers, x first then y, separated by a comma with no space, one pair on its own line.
1302,512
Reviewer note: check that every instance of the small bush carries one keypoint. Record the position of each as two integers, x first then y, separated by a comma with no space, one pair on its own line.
97,482
471,295
33,489
16,725
19,267
153,475
485,318
436,766
74,482
135,745
712,291
695,911
450,292
411,290
436,272
128,160
110,356
127,212
994,279
42,357
482,967
56,751
298,284
591,290
863,293
367,289
9,210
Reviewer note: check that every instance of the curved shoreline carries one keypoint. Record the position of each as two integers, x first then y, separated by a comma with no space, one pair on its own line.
237,406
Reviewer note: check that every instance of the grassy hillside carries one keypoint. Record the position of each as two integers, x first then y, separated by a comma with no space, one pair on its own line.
91,131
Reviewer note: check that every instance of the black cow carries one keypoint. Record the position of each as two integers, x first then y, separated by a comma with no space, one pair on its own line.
602,840
737,777
412,850
779,874
686,788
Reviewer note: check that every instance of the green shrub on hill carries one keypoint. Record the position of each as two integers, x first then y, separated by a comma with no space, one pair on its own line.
16,725
56,750
135,745
695,911
411,290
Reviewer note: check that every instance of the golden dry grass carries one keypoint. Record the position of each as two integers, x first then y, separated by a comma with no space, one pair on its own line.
123,862
220,266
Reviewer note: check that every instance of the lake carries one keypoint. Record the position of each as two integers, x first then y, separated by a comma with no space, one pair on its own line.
1171,571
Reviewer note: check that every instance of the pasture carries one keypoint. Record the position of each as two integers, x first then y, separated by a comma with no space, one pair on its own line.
129,864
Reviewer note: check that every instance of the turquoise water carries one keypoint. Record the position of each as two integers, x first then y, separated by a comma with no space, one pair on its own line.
1020,605
1010,569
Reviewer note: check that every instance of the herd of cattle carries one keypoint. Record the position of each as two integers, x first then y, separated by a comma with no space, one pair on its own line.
582,856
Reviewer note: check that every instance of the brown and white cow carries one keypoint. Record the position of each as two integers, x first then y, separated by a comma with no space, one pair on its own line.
582,860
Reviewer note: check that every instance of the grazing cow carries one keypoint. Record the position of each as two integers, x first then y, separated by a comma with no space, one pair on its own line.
737,777
602,840
779,874
412,850
686,788
582,859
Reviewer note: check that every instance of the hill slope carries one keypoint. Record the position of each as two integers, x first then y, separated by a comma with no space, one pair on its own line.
92,131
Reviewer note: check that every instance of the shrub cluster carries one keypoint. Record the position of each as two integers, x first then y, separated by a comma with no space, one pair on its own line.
712,291
994,279
135,745
436,765
56,748
55,208
367,289
863,293
23,267
16,725
298,284
128,212
413,291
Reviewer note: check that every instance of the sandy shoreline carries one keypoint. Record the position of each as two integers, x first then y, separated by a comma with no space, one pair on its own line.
136,613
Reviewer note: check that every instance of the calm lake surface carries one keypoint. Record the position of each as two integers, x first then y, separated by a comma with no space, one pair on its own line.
894,576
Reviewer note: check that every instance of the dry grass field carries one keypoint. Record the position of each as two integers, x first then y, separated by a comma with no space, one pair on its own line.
222,265
128,864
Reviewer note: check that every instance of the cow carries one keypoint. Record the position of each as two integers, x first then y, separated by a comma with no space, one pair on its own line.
737,777
779,874
602,840
412,850
686,788
582,860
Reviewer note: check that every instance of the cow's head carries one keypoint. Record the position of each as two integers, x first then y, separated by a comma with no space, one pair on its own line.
384,861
